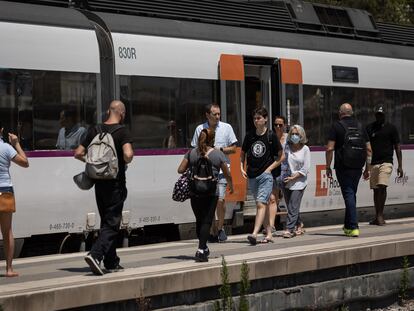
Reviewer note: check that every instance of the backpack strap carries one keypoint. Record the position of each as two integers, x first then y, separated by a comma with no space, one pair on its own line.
208,152
116,128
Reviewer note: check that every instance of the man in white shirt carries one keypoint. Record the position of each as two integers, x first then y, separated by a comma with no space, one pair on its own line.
225,140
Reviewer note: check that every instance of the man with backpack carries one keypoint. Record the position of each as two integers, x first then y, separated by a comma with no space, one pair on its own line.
107,149
352,150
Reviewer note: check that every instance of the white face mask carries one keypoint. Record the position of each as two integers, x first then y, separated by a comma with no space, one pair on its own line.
295,138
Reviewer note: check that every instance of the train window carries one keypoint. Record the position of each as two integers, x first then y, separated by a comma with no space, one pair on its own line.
233,101
164,112
42,104
345,74
321,109
317,113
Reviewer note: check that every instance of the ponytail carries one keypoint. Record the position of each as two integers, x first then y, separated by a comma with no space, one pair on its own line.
206,139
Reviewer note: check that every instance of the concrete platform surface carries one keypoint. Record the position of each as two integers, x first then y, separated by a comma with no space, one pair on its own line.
64,281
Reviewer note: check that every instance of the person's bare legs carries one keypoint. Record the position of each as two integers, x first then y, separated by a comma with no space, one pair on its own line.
221,212
273,203
8,241
260,217
380,196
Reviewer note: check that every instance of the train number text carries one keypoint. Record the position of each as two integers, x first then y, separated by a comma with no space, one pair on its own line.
128,53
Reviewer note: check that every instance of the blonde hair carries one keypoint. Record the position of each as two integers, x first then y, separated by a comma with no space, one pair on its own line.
206,139
301,131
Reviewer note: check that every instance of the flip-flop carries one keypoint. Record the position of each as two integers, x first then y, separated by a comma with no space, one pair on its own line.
266,241
252,239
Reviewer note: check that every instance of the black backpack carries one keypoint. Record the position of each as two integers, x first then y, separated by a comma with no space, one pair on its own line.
353,152
202,180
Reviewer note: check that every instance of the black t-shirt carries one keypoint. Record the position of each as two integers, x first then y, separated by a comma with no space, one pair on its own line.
337,134
121,137
260,153
383,137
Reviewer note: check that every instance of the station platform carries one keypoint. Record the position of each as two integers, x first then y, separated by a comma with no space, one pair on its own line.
59,282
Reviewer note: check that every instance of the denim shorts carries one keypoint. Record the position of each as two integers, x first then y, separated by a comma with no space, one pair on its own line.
261,186
6,189
221,187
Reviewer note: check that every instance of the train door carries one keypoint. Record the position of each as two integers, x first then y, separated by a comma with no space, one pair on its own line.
246,84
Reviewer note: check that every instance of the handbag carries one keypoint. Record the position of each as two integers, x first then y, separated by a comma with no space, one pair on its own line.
181,191
7,202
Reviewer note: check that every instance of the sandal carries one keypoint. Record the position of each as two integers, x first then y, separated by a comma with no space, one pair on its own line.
299,232
288,234
252,239
266,241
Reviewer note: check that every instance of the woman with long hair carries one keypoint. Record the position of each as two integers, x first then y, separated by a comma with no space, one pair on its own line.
295,178
9,153
204,207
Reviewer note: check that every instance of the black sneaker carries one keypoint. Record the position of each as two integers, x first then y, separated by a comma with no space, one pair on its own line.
207,252
94,264
118,268
201,257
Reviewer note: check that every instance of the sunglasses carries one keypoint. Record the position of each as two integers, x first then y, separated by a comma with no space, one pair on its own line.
279,125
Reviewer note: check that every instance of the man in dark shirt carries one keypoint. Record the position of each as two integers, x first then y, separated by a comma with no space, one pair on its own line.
384,139
110,194
264,154
348,177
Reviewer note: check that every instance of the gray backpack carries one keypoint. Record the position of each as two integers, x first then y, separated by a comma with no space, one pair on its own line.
101,157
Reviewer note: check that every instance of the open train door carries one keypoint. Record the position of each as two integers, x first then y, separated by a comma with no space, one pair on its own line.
246,84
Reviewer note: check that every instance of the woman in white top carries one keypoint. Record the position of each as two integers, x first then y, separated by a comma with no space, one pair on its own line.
295,177
12,152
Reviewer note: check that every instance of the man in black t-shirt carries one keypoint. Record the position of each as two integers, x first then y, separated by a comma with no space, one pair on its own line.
264,154
110,194
384,139
348,177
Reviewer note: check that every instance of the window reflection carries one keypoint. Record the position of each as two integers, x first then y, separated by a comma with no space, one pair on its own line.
164,112
31,102
321,106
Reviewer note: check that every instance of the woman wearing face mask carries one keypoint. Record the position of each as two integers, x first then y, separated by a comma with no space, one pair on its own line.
294,175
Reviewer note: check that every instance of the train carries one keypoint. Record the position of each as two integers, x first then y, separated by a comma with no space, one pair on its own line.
166,60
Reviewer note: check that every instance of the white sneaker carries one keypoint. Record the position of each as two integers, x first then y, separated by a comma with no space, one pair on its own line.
94,264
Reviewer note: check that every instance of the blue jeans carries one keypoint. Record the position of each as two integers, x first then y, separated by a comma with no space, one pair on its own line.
261,186
6,189
348,180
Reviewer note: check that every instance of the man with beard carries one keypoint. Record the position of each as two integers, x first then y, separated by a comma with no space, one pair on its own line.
384,139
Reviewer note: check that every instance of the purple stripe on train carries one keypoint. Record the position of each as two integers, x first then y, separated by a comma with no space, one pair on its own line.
149,152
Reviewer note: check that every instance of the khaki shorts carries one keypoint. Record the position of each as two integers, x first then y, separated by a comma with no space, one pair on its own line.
380,175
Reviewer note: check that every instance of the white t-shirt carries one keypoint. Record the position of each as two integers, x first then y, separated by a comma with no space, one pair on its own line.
7,153
72,139
298,162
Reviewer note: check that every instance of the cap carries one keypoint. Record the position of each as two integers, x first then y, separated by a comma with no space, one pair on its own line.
379,109
83,181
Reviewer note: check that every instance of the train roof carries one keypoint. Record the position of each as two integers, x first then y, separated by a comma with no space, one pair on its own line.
287,23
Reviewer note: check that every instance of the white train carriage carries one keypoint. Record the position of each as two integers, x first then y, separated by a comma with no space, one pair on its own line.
166,69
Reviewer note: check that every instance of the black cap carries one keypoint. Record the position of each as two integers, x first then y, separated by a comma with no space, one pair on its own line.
380,109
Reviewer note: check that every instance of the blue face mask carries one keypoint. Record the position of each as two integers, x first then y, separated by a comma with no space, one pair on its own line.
295,138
